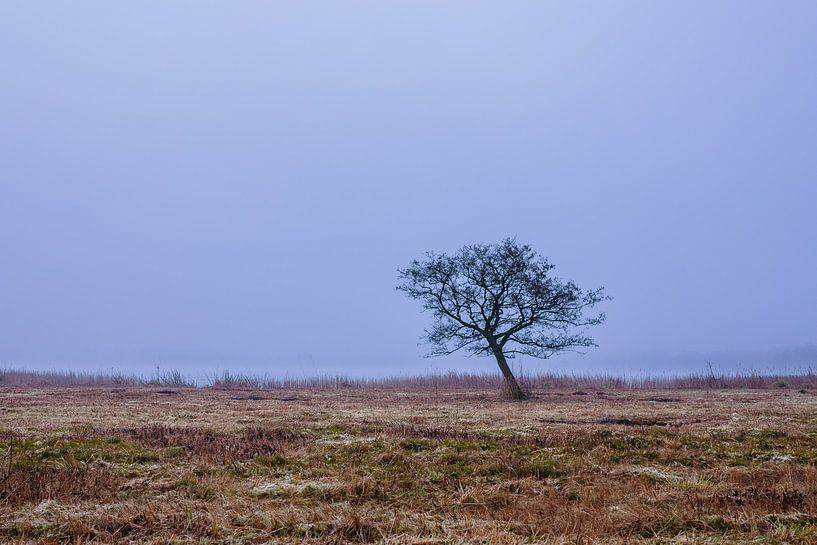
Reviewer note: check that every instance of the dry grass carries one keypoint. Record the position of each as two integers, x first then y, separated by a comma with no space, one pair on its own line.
209,445
437,381
361,465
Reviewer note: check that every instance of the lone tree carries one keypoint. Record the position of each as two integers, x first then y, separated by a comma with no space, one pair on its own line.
500,300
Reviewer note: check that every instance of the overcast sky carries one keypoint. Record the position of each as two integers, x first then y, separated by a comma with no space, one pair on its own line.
211,185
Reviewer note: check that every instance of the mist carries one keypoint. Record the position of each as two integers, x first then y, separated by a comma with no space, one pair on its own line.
208,187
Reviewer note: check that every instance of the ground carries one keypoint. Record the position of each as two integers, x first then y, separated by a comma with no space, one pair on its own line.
154,465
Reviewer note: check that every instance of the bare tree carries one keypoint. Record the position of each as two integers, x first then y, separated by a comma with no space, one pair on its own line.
500,300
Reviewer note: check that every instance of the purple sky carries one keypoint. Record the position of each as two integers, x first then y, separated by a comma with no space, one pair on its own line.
232,185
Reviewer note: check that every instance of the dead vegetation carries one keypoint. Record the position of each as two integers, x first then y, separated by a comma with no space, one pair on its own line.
806,381
28,477
113,465
212,446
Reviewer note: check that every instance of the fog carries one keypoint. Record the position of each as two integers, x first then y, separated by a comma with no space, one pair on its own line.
209,186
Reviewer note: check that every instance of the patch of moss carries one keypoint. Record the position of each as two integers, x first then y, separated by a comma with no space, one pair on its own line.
416,445
196,489
30,531
42,450
335,430
271,460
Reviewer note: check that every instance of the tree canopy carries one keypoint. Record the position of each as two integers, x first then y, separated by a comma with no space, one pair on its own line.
501,300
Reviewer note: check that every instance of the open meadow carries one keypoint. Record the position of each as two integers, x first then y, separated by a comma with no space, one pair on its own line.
153,464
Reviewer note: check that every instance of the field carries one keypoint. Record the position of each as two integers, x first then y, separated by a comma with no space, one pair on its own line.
159,464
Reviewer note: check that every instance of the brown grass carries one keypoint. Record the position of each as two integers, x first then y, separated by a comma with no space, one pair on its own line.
133,465
26,477
436,381
210,445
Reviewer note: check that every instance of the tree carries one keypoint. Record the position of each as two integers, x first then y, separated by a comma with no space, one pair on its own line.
500,300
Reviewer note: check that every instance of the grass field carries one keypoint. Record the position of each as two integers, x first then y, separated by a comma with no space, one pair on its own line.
142,464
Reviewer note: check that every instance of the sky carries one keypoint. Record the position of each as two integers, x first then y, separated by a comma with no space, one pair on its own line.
232,185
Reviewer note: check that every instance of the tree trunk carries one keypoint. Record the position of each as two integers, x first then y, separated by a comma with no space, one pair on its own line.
510,381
